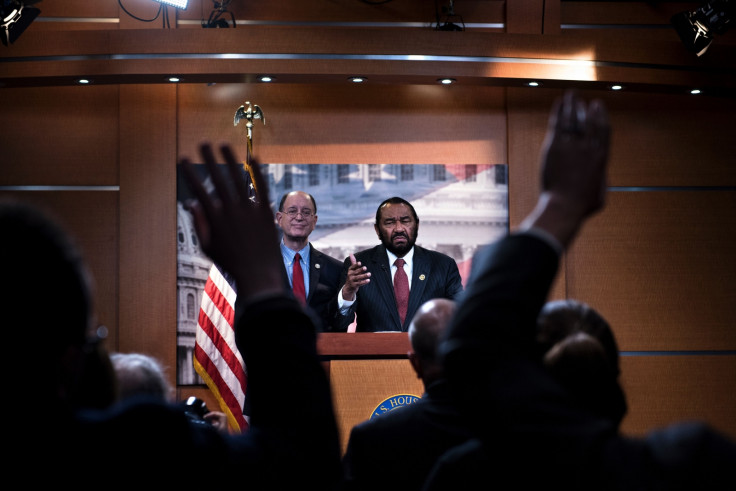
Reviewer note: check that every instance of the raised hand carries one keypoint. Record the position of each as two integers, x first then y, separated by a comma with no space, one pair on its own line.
236,233
574,160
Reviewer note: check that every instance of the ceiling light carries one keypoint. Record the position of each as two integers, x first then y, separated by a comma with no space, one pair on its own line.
16,16
174,79
616,87
266,78
533,84
698,27
357,80
180,4
83,81
446,81
695,91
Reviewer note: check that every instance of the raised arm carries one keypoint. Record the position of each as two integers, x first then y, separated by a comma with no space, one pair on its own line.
293,434
496,319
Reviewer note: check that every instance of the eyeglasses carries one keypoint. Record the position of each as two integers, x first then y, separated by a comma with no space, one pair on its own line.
293,213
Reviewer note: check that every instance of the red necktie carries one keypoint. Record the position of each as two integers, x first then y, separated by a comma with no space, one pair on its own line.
401,289
297,280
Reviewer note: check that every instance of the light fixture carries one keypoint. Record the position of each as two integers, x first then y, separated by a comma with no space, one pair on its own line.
16,16
83,81
698,27
266,78
616,87
450,16
695,91
446,81
216,16
357,80
180,4
174,79
533,84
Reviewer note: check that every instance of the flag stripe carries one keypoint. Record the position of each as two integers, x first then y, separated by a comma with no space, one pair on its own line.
216,357
217,348
216,320
227,401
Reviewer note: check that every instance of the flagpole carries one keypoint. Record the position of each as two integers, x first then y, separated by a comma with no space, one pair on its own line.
253,111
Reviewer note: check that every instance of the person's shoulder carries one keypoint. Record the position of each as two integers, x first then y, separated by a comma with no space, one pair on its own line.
391,421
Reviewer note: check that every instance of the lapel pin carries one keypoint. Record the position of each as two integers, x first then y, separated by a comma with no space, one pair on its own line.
316,265
421,277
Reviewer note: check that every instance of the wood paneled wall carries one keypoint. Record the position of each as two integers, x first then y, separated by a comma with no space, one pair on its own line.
658,262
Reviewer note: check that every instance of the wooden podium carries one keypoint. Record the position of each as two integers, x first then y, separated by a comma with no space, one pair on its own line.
367,372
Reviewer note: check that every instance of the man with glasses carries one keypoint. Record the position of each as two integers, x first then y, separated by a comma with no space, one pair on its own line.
313,276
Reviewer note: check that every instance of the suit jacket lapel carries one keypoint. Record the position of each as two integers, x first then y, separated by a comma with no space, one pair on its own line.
420,274
314,270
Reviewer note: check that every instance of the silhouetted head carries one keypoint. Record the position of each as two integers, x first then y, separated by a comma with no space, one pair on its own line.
425,331
47,312
580,351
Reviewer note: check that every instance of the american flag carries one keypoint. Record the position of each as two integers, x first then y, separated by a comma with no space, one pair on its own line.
216,357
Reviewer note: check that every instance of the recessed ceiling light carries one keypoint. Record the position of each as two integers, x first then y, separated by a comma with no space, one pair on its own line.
695,91
446,81
174,79
357,80
265,78
83,81
533,84
616,87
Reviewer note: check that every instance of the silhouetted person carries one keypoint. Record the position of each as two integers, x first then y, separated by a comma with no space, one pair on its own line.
528,428
397,449
288,443
580,351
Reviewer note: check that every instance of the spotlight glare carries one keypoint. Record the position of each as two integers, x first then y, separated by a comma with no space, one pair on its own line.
695,91
266,78
174,79
533,84
180,4
446,81
616,87
357,80
83,81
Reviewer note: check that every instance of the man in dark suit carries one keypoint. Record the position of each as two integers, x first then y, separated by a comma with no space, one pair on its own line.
397,450
529,428
297,217
369,295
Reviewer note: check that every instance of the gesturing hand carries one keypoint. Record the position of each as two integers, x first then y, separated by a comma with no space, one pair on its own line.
357,276
236,233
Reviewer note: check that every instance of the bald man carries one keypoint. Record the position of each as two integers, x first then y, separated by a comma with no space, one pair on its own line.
397,449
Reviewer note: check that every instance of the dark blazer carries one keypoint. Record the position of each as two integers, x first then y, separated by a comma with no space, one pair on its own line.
529,430
397,450
324,284
435,275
